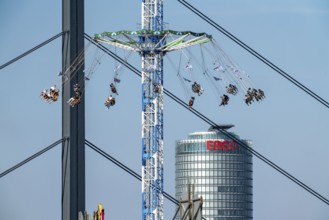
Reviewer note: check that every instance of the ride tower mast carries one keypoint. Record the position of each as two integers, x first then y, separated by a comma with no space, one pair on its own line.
152,43
152,109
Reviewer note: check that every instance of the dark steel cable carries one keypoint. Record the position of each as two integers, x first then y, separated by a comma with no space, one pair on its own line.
112,159
125,168
122,166
210,122
31,158
254,53
31,50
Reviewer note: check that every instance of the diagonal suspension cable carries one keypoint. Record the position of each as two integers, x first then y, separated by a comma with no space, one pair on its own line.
210,122
31,157
254,53
31,50
125,168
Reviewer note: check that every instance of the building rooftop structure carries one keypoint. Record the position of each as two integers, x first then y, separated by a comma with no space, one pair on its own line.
221,171
220,126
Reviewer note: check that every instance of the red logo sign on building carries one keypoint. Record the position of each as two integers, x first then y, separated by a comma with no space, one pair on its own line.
226,145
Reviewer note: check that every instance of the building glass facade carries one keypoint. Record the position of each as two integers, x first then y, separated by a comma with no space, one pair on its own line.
221,172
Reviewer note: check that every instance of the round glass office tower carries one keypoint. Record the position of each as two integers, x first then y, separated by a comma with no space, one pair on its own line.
221,172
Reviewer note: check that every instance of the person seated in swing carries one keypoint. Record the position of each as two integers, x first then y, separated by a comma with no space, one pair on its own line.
113,88
196,88
54,93
229,89
191,102
260,94
235,89
76,88
248,99
254,94
156,87
45,96
110,101
249,92
75,100
224,100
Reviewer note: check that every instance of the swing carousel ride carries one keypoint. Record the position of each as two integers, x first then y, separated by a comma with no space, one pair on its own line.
196,55
206,59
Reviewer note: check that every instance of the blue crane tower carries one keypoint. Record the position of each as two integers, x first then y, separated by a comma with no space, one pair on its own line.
152,43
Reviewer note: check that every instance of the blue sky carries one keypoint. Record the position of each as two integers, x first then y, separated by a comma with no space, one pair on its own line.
288,127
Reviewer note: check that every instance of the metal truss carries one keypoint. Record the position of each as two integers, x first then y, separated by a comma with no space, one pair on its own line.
152,136
152,15
152,43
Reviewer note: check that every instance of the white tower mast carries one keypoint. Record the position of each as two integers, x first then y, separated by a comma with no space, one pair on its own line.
152,110
152,43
